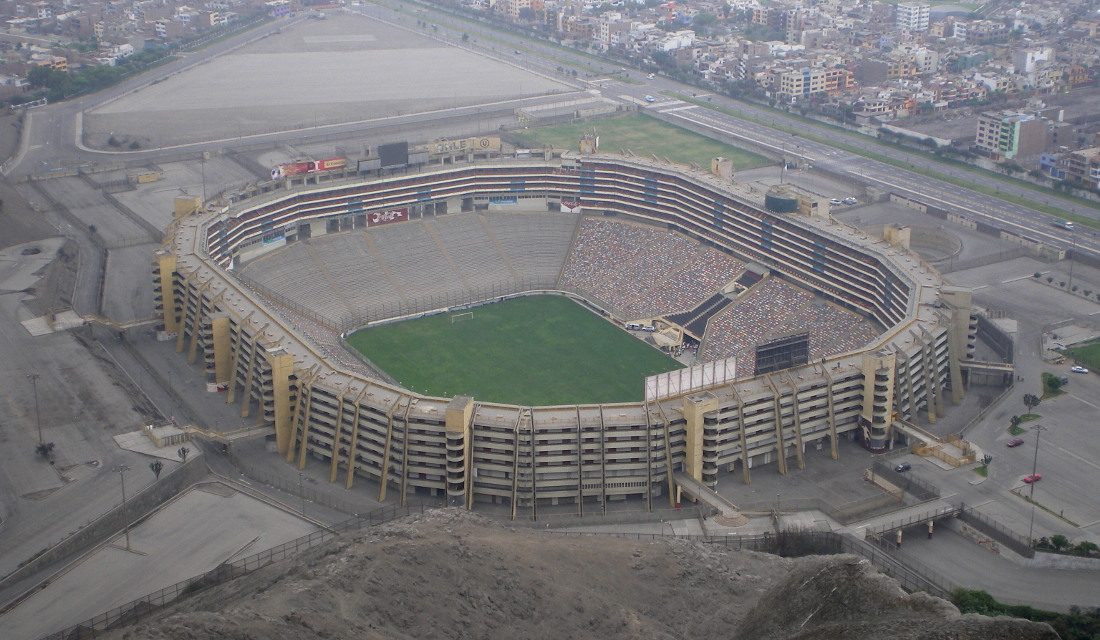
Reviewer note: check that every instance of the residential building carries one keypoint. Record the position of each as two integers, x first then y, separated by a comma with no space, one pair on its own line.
1082,168
912,16
1007,135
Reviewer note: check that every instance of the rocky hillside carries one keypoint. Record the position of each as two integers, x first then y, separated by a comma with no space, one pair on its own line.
450,574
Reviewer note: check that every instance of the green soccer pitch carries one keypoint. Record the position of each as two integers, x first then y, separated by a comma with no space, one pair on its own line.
532,351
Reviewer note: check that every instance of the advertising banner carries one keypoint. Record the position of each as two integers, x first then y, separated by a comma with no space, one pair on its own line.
375,218
570,206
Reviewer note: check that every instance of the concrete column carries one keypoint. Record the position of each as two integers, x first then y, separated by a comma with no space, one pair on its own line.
223,350
695,407
877,411
282,366
166,268
458,419
185,306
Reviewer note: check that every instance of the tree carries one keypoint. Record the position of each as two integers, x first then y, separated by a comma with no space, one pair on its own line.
1031,401
1015,421
1059,542
156,467
183,451
44,450
465,37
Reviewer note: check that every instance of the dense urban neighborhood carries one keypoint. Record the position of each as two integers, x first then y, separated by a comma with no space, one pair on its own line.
1005,85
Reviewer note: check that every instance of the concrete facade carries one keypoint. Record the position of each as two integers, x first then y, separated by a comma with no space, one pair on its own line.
472,451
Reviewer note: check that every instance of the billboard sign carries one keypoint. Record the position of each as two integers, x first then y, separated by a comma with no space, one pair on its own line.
329,164
289,169
376,218
395,154
465,145
307,166
570,206
706,375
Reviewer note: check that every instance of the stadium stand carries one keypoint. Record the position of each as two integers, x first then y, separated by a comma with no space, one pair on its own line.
535,244
773,309
472,451
641,271
383,270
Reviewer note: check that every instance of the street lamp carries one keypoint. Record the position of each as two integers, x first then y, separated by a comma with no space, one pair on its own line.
1034,465
34,387
122,469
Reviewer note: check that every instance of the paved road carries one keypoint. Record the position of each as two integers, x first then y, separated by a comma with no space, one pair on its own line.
974,205
962,561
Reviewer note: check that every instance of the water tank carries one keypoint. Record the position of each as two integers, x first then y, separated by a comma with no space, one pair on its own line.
780,199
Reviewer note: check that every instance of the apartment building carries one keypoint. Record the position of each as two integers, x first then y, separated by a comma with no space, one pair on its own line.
1006,135
912,16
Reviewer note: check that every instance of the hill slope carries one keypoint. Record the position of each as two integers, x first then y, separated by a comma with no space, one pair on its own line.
450,574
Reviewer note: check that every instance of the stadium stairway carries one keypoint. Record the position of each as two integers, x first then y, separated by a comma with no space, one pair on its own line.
695,321
332,283
429,226
500,247
396,282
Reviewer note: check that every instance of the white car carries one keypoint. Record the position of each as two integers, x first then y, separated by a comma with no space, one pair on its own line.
835,201
1078,369
850,200
650,99
651,76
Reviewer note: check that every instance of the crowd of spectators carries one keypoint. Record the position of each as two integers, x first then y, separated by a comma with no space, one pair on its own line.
640,271
774,309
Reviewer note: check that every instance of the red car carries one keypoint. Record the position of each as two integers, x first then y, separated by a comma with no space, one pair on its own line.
1015,442
1035,477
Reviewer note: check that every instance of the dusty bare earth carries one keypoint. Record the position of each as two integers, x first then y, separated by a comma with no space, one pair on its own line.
449,574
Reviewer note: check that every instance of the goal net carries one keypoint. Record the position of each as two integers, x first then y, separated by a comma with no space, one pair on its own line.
462,315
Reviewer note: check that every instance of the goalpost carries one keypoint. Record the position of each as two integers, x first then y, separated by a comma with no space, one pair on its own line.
462,315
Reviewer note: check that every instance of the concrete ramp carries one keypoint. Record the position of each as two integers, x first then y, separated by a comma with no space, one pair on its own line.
728,512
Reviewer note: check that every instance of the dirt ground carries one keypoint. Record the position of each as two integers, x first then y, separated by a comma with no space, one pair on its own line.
450,574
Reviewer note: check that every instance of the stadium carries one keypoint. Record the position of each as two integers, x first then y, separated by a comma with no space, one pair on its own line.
799,330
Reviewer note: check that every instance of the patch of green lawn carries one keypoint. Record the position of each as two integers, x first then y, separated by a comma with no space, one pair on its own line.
643,135
532,351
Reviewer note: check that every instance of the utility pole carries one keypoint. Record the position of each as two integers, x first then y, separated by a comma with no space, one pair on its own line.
301,493
122,469
1034,465
34,387
1073,250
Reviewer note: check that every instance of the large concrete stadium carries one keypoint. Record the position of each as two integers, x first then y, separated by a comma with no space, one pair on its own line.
275,350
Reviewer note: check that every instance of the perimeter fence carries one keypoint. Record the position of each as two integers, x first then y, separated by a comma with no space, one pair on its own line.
141,608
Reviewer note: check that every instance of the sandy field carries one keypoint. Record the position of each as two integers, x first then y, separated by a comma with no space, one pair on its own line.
344,69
